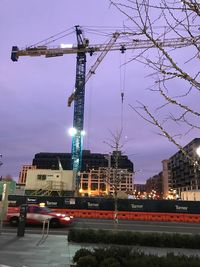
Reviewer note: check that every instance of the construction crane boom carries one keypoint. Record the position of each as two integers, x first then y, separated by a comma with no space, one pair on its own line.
78,95
134,44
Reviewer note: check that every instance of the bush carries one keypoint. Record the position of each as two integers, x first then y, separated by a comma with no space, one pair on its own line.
110,262
81,253
87,261
134,238
119,257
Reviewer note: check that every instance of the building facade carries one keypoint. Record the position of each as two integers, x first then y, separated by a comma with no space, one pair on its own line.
165,178
154,186
103,181
184,175
49,182
23,173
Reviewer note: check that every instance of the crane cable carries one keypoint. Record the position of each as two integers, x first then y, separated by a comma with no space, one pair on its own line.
122,87
57,35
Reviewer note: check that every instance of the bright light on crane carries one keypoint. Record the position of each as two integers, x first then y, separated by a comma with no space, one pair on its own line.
66,45
83,133
72,131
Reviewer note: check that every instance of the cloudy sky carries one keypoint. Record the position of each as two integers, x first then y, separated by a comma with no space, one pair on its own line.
34,91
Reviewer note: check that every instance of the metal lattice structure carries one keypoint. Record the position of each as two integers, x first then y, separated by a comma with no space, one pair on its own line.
78,120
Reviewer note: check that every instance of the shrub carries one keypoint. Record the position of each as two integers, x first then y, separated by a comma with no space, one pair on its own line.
81,253
87,261
110,262
134,238
118,257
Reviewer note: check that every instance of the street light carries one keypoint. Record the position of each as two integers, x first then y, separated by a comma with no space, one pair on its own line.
198,151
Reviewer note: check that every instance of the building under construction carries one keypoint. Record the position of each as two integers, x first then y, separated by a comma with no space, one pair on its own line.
89,161
51,174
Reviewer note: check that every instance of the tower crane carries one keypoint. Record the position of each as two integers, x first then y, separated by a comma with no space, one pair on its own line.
78,95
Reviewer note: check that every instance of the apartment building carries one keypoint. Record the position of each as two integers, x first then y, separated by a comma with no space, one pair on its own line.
184,174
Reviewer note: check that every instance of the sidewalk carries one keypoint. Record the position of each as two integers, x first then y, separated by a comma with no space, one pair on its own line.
27,251
54,251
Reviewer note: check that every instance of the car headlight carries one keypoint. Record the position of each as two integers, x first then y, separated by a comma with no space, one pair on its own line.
66,219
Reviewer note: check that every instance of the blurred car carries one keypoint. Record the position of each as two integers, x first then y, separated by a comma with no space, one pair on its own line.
37,215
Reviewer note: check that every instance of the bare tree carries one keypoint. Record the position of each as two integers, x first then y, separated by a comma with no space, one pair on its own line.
173,69
116,145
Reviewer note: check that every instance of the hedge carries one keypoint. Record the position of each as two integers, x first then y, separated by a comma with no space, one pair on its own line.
134,238
126,257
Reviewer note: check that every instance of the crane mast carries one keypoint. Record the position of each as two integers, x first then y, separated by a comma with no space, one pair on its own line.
78,96
92,70
78,119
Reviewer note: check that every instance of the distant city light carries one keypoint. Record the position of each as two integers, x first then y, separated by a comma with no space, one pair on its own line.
72,131
66,45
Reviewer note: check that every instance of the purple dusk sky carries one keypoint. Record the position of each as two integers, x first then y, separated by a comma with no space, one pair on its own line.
34,91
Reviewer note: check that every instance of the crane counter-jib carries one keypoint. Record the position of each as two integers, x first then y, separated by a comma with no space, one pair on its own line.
134,44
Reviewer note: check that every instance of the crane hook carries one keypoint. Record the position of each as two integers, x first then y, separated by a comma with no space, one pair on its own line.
122,96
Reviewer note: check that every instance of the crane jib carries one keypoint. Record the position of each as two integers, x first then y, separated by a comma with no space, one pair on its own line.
111,46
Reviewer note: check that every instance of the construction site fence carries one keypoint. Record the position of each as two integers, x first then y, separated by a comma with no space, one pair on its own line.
132,216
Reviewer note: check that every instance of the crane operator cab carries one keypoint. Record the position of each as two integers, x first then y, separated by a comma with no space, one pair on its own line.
14,55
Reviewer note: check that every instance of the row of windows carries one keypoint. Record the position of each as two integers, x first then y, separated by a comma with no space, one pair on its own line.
44,176
41,177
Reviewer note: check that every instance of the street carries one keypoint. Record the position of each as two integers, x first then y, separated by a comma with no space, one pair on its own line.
138,226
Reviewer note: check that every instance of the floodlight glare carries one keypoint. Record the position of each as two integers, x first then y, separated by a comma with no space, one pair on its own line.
83,133
72,131
198,151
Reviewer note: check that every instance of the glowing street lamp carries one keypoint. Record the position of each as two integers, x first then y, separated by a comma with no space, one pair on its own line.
198,151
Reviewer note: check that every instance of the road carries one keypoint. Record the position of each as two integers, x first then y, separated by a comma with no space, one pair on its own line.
138,226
